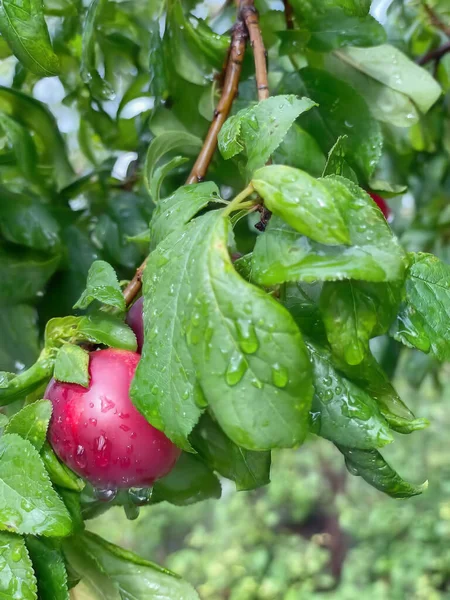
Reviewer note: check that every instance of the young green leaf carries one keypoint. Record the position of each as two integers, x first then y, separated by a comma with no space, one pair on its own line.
72,365
50,569
99,87
102,285
175,211
28,505
390,66
303,202
341,411
340,111
26,221
190,481
58,472
31,422
161,145
258,130
35,116
371,466
249,470
106,329
132,576
282,254
424,318
23,26
17,578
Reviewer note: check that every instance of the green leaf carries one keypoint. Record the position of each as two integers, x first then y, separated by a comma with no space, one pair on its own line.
24,273
257,131
102,285
36,117
334,28
50,569
174,212
160,173
99,87
354,312
17,578
340,111
336,163
385,103
23,25
390,66
133,577
300,150
369,376
23,146
157,67
29,505
25,220
13,387
31,422
161,145
72,365
292,41
282,254
243,347
58,472
303,202
249,470
108,330
19,340
189,481
424,318
371,466
341,411
302,301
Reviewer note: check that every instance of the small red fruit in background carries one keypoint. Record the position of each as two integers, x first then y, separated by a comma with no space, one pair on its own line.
135,320
98,432
382,204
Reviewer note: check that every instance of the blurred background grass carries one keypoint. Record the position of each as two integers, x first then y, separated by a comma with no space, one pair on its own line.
316,531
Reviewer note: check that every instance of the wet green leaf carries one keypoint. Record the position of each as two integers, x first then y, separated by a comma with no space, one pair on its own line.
104,329
300,150
24,27
102,285
16,571
303,202
31,422
50,569
19,340
15,387
28,502
58,472
72,365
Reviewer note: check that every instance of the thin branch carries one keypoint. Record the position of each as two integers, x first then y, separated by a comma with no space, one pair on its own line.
233,70
288,14
435,55
436,20
250,17
229,91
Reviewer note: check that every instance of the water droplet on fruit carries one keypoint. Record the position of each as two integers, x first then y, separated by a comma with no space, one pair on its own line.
93,422
124,428
247,338
80,457
236,369
105,494
280,375
106,404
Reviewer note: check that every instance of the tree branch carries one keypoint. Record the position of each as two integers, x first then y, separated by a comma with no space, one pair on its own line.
233,69
435,55
288,14
250,16
436,20
229,91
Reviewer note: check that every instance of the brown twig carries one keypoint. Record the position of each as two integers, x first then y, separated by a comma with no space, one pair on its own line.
250,16
229,91
288,14
435,54
436,20
232,71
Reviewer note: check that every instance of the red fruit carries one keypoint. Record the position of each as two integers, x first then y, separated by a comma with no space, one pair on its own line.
136,322
382,204
99,433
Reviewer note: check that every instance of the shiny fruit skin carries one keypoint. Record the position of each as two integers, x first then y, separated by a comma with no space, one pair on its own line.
99,433
382,204
136,322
